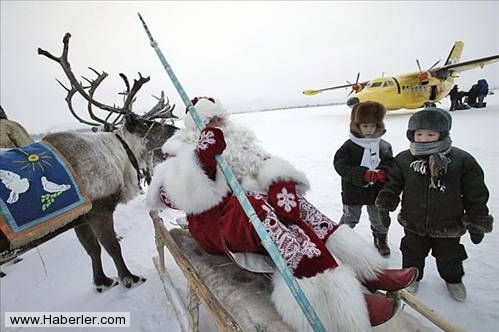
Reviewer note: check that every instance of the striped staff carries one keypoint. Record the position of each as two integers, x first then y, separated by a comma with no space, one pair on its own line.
238,191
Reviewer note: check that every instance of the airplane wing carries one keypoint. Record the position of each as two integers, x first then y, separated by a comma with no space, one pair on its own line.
467,65
314,92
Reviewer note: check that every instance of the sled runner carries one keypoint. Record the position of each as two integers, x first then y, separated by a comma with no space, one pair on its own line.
239,300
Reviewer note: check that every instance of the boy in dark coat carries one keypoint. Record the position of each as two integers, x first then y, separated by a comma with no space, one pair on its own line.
363,162
443,196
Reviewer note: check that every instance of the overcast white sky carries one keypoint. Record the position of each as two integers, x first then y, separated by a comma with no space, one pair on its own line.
245,53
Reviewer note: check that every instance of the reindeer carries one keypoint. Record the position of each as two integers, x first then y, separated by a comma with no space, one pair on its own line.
109,162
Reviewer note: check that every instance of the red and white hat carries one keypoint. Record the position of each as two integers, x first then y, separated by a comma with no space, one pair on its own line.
208,108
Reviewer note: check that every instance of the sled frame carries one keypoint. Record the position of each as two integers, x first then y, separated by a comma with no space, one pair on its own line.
198,288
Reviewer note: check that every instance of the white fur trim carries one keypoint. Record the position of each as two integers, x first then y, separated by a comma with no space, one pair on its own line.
250,184
336,296
176,144
276,168
243,152
351,249
207,110
152,195
186,184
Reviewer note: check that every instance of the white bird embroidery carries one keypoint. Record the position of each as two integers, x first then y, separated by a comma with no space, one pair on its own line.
52,187
14,183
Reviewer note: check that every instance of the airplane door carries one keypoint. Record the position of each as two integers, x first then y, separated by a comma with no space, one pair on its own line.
433,93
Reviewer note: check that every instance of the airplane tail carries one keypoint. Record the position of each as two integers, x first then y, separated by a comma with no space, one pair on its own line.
455,53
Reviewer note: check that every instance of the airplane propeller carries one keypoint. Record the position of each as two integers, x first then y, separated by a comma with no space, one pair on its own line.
355,86
423,76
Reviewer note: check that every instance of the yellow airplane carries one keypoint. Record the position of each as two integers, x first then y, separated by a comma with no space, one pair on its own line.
413,90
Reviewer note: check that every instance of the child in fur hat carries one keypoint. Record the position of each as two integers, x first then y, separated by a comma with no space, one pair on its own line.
363,162
190,180
444,195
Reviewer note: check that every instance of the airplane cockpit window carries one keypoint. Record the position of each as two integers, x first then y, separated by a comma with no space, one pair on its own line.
376,84
388,83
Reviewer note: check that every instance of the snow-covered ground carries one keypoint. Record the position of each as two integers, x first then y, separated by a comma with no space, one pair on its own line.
57,275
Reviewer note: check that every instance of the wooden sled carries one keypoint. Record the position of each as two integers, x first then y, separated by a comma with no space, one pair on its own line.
238,300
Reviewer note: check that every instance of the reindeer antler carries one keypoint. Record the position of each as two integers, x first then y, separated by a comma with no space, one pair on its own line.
129,94
161,110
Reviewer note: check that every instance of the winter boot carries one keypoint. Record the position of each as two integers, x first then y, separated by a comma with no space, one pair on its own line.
380,308
457,291
380,243
393,279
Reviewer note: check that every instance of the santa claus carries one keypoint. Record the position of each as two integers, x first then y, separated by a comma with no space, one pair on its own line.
337,270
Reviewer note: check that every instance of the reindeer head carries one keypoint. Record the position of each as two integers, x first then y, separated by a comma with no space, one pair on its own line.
152,133
150,128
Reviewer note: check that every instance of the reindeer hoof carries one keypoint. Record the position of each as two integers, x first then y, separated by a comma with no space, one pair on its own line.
133,281
102,288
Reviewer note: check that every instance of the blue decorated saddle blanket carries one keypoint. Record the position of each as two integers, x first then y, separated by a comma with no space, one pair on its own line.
39,193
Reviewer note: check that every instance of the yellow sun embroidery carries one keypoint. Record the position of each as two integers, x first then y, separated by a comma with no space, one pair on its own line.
34,160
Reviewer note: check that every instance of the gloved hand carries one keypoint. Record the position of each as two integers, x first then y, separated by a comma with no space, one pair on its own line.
283,198
379,175
476,238
368,176
211,142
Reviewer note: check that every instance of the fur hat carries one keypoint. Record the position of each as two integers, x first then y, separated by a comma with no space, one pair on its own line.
208,108
431,118
367,112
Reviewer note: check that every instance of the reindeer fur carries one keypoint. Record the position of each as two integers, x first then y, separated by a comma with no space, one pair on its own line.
103,165
109,178
101,162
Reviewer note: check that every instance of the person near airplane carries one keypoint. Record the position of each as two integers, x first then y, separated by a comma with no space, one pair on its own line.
444,195
453,95
482,92
363,162
472,96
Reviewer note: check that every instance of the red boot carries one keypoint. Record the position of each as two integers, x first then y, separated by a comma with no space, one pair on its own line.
380,308
393,279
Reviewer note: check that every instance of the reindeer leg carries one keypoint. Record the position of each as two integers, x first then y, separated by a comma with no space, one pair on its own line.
92,247
104,230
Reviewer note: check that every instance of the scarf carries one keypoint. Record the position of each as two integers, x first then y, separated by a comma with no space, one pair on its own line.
370,158
437,162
